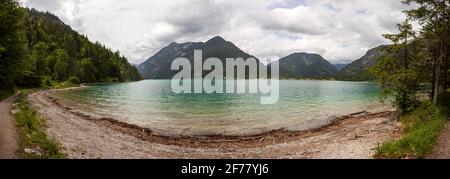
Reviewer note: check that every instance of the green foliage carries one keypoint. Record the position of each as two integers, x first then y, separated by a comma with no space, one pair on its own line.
361,75
398,71
392,79
39,59
444,99
421,127
58,62
66,84
71,54
88,71
32,135
400,76
38,50
74,80
47,82
434,16
13,48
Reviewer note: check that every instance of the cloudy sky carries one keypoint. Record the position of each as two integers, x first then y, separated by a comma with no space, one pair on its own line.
339,30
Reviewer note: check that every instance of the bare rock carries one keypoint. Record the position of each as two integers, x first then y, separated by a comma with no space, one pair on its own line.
353,136
383,121
32,151
14,111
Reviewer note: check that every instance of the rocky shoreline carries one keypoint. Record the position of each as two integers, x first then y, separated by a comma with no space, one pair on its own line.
60,119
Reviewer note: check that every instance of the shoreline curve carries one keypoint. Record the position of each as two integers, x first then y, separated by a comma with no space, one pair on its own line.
211,141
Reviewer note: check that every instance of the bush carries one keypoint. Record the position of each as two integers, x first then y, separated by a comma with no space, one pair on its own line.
444,99
115,80
30,81
74,80
47,81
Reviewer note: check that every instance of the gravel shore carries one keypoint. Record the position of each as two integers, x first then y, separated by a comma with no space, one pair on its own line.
83,136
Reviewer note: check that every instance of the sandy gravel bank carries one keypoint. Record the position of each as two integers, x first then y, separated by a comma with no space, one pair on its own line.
83,136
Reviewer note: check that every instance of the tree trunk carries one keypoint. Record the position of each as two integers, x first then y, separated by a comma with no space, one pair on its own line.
438,73
436,82
406,91
433,77
446,68
445,77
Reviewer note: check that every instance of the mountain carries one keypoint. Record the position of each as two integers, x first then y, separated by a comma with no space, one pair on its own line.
339,67
305,65
359,69
159,65
296,65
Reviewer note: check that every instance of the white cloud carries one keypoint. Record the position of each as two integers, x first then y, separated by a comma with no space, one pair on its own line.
339,30
299,20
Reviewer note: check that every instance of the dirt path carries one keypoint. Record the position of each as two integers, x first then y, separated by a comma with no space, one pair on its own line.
8,133
354,137
442,149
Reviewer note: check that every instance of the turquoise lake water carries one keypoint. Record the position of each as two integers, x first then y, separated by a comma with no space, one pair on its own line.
302,105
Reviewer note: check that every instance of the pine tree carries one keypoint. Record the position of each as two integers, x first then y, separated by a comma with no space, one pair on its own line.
39,56
61,65
434,15
397,72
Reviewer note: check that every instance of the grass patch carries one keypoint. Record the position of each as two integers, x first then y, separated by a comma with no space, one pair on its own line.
66,84
421,127
49,83
33,142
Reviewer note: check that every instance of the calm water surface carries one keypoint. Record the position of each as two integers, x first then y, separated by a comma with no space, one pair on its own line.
303,105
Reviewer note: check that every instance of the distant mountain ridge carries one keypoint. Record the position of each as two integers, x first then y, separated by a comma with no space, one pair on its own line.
158,66
359,69
340,66
306,65
296,65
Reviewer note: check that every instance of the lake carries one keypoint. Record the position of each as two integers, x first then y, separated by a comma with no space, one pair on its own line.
302,105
